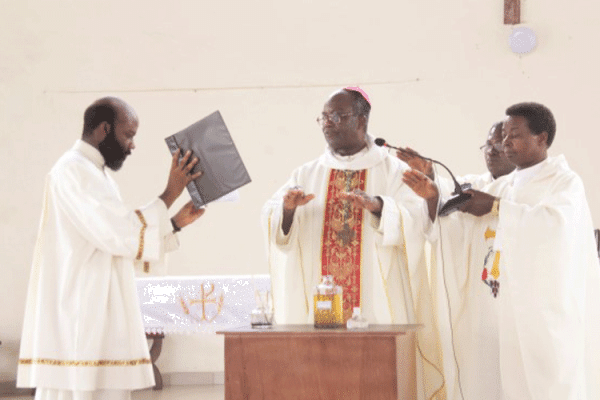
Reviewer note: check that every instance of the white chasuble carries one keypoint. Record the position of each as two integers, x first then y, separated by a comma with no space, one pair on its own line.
536,297
380,262
465,279
549,305
83,329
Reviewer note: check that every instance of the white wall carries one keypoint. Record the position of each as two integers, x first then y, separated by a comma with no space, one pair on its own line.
439,73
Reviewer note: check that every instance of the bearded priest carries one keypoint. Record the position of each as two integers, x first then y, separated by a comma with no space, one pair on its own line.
83,337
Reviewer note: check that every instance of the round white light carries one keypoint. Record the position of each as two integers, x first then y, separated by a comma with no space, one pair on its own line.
522,40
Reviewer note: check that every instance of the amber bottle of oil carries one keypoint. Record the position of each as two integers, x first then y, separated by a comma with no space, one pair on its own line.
328,304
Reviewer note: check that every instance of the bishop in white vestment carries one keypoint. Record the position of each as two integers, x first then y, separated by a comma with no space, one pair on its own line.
83,337
354,219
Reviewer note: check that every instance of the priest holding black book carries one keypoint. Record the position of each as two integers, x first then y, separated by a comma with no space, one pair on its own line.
83,337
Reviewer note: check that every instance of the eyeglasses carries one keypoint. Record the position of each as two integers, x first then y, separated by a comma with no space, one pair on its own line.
333,117
498,146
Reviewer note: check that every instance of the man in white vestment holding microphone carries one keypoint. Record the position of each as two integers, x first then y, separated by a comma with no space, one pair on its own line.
348,214
83,337
545,273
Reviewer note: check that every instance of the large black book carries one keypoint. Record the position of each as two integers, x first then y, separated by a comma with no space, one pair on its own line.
218,159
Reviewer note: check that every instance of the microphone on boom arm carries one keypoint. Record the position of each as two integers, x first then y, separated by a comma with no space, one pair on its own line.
458,196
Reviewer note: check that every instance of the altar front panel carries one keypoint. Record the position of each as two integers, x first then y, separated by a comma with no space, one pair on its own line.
198,304
304,363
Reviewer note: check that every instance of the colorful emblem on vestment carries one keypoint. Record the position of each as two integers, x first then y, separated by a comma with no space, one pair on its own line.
494,284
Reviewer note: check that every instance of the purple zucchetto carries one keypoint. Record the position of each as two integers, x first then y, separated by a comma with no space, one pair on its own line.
359,90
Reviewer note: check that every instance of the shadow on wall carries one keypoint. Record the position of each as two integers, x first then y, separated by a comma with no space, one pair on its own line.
597,235
10,351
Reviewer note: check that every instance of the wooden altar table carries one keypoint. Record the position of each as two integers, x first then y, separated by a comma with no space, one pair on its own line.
301,362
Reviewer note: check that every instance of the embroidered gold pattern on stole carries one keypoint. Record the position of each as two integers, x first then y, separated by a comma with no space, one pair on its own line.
342,236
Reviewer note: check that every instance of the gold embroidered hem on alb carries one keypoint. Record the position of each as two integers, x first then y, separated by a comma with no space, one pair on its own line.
84,363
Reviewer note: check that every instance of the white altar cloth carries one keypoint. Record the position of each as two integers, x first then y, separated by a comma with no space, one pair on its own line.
198,304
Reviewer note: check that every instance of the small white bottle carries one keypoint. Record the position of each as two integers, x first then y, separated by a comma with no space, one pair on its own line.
357,321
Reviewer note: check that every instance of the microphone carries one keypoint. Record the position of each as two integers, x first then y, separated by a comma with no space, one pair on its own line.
459,197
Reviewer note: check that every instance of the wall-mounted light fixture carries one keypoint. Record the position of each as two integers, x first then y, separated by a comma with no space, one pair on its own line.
522,40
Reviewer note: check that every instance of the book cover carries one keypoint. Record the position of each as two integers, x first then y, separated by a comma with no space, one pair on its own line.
218,158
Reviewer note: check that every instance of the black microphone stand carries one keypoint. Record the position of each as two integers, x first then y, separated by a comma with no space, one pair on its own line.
458,198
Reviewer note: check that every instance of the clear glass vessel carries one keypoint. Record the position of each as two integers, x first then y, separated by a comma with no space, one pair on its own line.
262,315
357,321
328,304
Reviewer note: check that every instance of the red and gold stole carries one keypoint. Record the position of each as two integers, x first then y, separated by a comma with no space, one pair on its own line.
342,236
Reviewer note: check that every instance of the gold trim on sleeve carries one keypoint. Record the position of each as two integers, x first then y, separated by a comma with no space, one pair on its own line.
142,232
84,363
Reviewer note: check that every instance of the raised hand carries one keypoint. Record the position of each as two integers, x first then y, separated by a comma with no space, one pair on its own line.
363,200
424,187
420,184
179,176
293,198
296,197
411,157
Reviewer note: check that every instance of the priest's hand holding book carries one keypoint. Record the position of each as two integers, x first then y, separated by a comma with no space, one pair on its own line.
179,176
188,214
